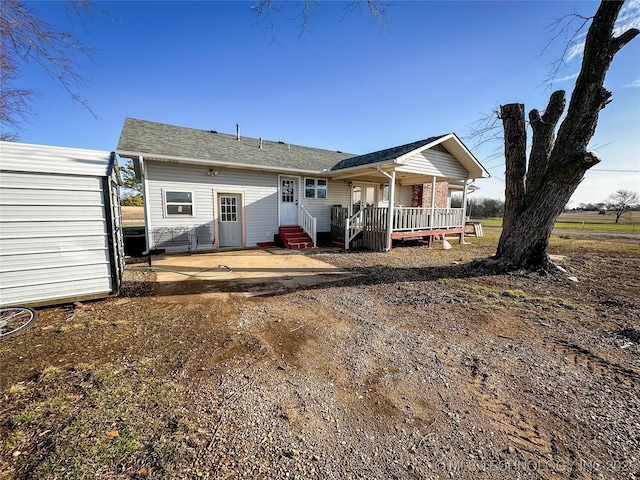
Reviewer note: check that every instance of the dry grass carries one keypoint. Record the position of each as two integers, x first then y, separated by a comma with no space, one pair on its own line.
132,216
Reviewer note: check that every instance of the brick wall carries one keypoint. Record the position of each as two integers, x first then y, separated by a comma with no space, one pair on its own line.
421,196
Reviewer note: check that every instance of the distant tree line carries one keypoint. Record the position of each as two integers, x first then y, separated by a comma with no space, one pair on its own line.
480,207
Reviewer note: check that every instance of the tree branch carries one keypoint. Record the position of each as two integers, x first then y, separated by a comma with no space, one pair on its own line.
563,26
623,39
25,37
589,96
543,137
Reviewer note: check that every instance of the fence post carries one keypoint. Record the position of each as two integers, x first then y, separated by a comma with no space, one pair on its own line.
346,232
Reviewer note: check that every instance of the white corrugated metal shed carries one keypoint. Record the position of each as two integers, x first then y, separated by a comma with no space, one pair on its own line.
60,225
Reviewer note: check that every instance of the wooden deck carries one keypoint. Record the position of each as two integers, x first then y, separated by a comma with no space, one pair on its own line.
368,228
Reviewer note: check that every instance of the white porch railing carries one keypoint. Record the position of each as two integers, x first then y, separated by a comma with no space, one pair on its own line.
308,224
372,222
352,227
412,218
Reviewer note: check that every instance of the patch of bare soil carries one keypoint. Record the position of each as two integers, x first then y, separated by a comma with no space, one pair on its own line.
419,369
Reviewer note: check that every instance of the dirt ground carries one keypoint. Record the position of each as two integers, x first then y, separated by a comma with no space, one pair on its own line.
417,369
260,271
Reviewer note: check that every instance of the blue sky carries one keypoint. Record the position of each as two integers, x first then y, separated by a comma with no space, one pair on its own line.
347,83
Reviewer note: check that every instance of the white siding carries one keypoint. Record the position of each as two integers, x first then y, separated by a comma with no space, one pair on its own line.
260,191
434,163
338,193
404,195
53,235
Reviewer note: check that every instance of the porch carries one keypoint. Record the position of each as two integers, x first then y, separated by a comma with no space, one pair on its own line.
368,227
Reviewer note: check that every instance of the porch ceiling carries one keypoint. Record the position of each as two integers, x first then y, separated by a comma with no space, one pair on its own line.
373,175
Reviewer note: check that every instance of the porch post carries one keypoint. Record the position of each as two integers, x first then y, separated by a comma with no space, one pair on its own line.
433,201
464,211
392,195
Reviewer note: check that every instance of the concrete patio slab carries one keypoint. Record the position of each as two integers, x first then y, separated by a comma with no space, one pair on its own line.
243,272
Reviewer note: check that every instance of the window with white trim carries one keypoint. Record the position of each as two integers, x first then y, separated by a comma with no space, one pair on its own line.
315,188
178,203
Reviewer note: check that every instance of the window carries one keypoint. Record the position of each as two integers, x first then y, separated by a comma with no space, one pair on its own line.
178,203
315,188
228,208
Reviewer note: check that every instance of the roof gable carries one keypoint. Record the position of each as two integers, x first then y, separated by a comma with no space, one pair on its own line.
449,143
383,156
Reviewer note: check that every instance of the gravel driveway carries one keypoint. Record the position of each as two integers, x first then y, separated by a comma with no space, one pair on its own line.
417,369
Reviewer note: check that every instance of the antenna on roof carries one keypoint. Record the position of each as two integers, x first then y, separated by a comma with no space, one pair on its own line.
238,131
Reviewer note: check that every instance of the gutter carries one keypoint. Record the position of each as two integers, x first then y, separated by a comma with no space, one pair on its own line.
217,163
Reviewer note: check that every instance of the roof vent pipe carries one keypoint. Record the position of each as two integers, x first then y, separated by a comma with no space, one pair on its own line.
238,131
260,142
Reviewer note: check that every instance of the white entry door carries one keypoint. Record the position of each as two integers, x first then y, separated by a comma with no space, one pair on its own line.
230,220
288,201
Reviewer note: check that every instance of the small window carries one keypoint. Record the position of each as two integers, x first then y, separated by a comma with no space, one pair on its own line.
178,203
321,191
315,188
385,193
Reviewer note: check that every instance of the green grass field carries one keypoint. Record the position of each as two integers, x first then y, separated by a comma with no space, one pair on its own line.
588,221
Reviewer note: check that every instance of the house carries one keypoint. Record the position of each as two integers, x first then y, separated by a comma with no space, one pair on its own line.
60,234
209,190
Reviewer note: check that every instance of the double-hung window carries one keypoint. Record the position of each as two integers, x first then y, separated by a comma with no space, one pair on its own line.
315,188
178,203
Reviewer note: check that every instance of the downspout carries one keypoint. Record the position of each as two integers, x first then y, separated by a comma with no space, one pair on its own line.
392,196
464,210
147,212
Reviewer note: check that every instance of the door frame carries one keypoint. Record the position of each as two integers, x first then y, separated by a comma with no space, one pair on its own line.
364,185
216,216
298,199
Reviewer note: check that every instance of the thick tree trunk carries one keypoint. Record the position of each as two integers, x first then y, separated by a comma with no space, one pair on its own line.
536,194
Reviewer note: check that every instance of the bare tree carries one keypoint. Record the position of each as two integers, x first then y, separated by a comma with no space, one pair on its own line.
24,37
267,9
623,201
538,188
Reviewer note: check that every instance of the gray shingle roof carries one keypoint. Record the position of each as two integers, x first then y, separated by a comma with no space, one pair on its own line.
168,141
381,156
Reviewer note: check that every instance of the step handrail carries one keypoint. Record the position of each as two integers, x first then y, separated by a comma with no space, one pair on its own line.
308,224
353,226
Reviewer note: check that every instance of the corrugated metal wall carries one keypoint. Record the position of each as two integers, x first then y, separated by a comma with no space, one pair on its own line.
56,239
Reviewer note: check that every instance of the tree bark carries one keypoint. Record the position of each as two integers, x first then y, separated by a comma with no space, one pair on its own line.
536,194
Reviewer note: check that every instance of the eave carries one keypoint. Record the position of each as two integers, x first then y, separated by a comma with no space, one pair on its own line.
219,163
